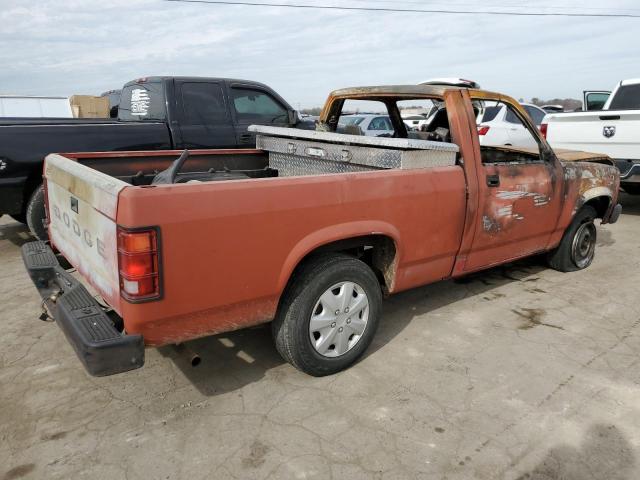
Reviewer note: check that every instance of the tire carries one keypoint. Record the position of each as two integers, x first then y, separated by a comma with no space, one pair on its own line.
36,214
19,217
577,247
316,289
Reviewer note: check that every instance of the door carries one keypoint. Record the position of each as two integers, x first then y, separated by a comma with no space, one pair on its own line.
595,100
204,117
519,202
253,106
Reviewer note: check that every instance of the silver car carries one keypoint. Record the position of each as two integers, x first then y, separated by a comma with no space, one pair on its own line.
371,125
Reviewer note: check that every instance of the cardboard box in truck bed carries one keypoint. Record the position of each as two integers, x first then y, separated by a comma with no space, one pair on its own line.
87,106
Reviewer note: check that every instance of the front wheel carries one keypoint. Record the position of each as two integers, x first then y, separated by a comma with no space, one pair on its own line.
578,245
329,315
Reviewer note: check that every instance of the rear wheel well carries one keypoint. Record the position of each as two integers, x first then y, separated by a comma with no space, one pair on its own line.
377,251
600,205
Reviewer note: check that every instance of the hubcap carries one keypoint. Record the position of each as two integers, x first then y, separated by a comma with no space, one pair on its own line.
339,319
584,245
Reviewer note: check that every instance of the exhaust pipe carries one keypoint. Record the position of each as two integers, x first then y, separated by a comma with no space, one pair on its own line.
189,355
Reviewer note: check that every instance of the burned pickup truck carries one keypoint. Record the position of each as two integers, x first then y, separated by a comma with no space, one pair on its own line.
309,231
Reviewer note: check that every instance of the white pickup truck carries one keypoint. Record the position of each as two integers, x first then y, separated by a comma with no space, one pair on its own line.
614,131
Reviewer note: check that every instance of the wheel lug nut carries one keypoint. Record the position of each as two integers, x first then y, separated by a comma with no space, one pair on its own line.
340,329
333,325
346,310
337,312
348,320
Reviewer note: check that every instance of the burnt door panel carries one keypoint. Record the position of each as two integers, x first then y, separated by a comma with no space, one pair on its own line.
519,207
519,198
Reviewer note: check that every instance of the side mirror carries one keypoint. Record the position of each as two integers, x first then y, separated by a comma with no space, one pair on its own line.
293,117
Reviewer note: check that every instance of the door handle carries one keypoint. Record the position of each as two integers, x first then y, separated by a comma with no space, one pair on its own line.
493,180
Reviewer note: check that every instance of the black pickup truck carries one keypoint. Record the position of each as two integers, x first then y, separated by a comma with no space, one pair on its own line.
155,113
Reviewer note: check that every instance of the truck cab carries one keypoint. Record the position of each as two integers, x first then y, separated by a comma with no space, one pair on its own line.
204,112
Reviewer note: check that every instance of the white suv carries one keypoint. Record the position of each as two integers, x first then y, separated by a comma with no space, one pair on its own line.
499,125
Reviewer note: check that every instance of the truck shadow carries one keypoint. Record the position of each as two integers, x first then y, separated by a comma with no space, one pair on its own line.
630,204
603,453
400,309
229,361
15,232
232,360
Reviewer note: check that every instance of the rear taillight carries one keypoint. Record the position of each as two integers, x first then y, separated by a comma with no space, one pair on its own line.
139,263
483,129
543,130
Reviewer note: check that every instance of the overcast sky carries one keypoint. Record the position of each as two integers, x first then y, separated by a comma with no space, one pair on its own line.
82,46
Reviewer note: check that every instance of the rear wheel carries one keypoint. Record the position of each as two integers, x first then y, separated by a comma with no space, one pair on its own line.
36,214
578,245
328,315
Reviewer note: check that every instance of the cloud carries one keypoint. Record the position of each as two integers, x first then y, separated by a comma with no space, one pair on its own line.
67,47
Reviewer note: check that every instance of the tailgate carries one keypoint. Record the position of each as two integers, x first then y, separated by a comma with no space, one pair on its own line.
614,133
82,205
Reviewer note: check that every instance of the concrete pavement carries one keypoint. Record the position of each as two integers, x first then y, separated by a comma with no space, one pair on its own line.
520,372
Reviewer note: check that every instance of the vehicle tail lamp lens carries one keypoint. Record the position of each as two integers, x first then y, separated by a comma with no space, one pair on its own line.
543,130
483,129
138,263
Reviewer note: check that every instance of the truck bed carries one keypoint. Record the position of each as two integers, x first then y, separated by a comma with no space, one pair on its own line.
139,168
269,225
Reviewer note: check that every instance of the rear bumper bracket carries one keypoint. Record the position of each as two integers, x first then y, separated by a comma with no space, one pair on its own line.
99,345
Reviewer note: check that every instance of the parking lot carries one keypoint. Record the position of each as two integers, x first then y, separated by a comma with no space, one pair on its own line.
520,372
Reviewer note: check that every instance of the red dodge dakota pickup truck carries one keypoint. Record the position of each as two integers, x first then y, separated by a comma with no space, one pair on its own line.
309,231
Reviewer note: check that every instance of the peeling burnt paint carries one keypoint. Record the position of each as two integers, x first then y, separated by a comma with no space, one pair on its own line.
586,181
490,225
86,236
539,200
531,187
506,207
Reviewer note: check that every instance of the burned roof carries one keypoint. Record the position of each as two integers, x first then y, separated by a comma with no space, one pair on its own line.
394,90
406,91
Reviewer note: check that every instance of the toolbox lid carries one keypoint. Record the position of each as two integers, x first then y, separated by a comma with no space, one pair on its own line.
345,139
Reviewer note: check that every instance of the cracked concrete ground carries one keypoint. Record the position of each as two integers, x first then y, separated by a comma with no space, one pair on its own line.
516,373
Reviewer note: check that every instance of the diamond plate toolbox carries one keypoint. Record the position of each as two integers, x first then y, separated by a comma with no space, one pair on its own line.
296,152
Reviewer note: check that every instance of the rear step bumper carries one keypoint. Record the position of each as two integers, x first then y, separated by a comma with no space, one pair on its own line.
100,346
